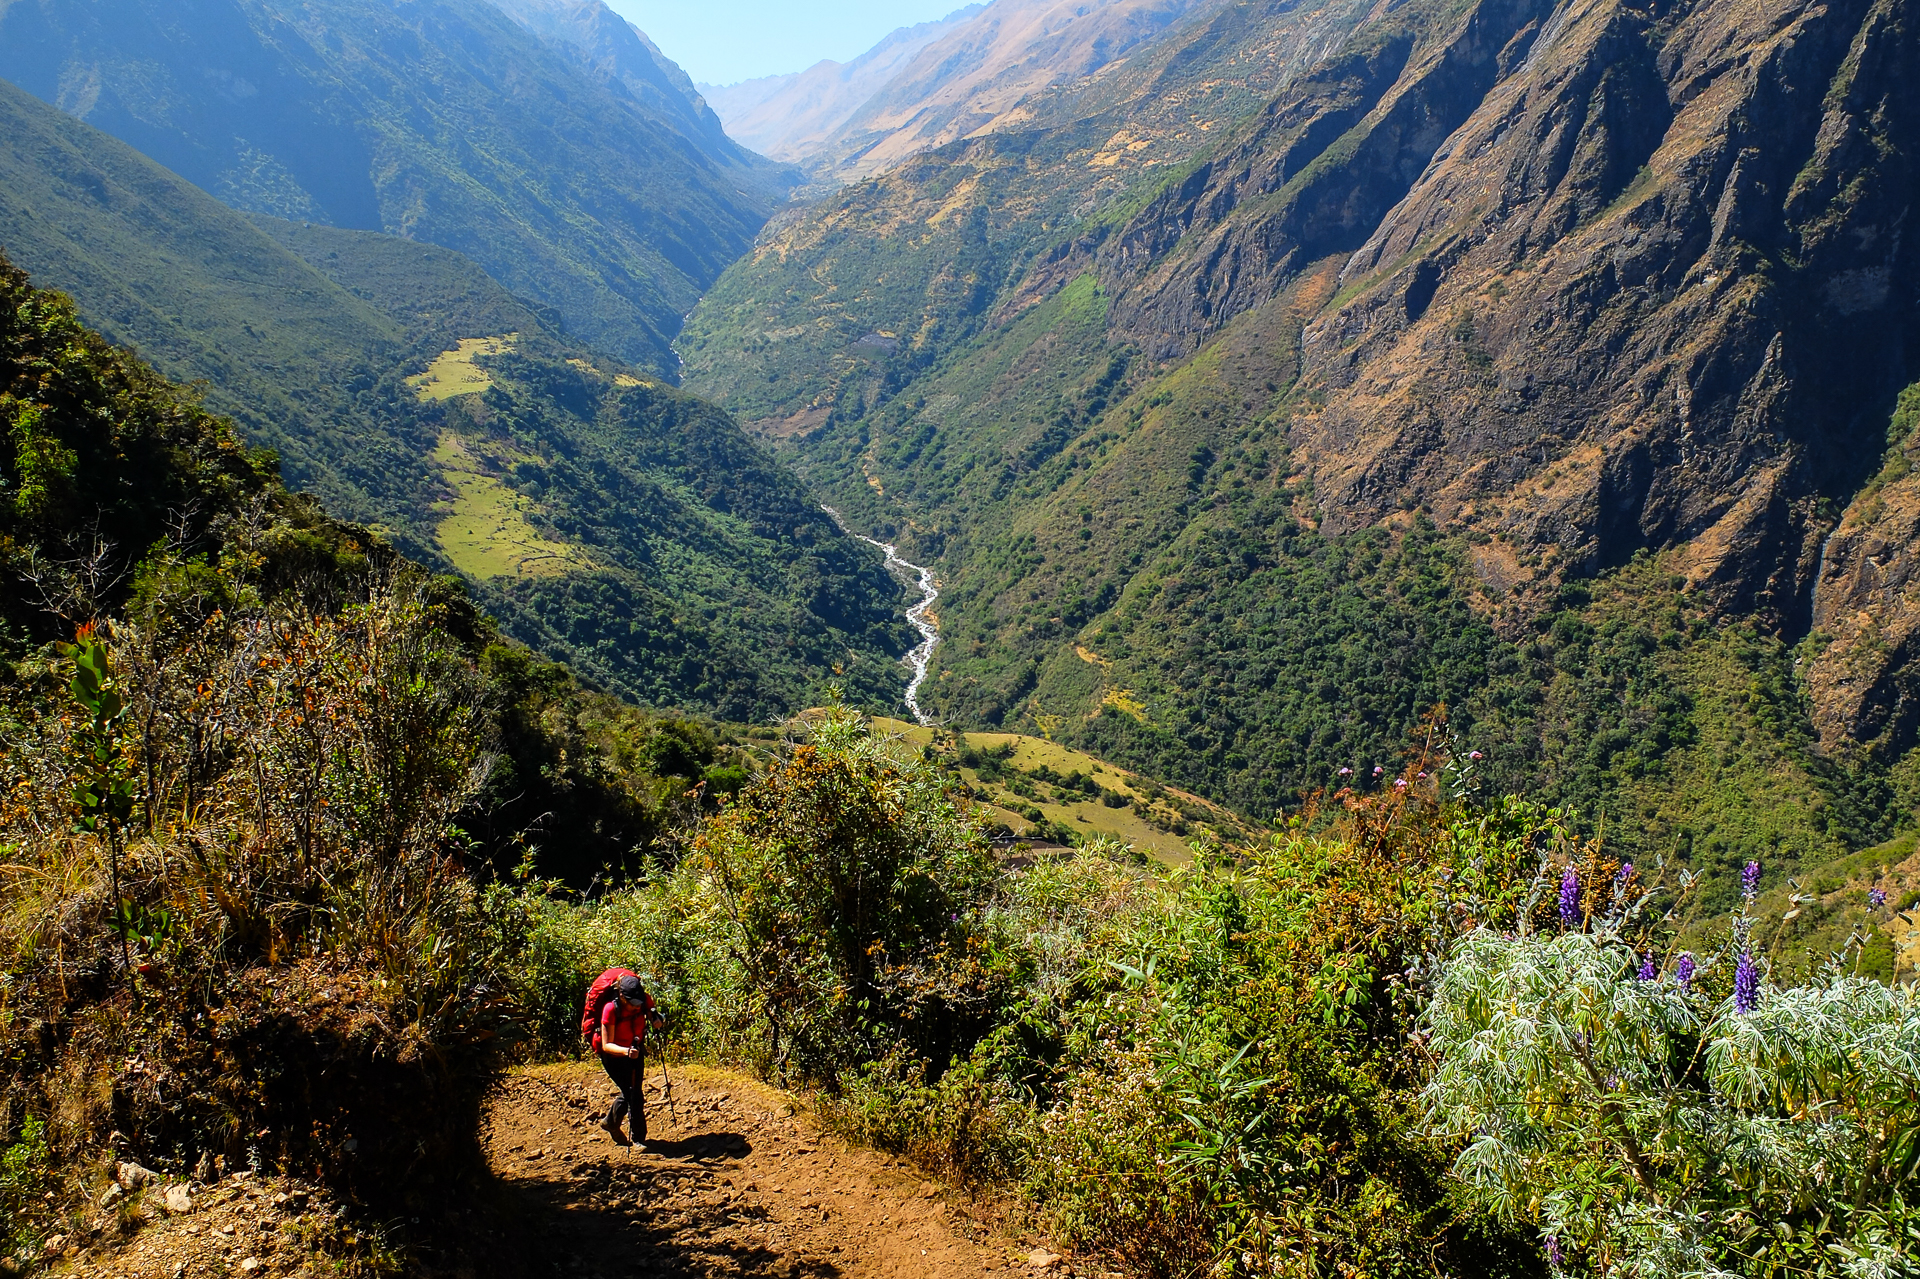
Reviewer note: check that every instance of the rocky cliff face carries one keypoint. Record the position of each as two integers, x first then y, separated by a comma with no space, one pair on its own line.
1612,277
1578,279
1866,606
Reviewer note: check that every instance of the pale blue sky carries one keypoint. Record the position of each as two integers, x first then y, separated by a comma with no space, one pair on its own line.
725,41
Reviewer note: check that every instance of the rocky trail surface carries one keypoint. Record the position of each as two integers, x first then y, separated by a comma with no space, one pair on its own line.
733,1182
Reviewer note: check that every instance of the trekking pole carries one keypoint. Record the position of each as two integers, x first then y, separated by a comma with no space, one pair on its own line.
666,1085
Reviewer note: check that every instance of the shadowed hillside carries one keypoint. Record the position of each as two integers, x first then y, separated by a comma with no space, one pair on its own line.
604,516
444,122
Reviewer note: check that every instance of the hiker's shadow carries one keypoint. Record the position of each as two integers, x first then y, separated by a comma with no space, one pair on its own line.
702,1145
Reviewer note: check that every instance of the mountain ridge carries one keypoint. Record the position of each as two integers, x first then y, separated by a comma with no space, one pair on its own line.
441,120
622,54
968,75
790,116
693,568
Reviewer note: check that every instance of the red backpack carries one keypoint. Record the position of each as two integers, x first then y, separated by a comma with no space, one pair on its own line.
599,995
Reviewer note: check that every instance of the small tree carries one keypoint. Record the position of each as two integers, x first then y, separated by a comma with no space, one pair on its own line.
104,783
843,864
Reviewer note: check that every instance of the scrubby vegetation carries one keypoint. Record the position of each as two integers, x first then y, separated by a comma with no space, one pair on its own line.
256,775
298,852
1430,1036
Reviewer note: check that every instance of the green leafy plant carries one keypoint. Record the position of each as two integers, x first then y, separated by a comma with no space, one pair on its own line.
1651,1121
105,787
842,875
26,1171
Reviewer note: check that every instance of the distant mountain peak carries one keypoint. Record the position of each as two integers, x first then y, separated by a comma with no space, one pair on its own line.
790,117
923,86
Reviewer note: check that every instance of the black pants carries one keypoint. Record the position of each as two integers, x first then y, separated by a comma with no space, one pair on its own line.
627,1074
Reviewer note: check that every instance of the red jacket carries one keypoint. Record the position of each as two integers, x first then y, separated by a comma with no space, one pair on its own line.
623,1026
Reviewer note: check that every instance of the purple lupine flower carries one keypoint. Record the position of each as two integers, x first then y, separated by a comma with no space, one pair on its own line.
1647,971
1554,1257
1626,872
1569,897
1378,770
1750,882
1683,971
1346,772
1474,755
1399,783
1746,984
1876,898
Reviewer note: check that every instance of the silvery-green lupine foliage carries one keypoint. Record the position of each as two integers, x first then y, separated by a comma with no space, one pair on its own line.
1652,1128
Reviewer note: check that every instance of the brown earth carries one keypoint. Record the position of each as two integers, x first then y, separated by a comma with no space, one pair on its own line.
735,1180
731,1181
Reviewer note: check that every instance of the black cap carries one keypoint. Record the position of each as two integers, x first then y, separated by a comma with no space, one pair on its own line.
630,989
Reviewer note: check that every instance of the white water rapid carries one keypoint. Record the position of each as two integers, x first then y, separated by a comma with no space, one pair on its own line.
922,655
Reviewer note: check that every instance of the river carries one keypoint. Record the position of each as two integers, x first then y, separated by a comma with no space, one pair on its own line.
917,616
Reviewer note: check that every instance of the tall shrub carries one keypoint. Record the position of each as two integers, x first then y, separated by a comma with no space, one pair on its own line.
846,877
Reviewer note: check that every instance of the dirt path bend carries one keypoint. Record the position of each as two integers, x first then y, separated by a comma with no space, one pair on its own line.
732,1183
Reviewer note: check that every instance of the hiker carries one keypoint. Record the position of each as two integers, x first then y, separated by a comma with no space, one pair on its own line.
618,1015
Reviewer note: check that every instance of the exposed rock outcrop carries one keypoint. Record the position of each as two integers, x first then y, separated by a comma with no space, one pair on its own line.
1865,681
1591,277
1619,276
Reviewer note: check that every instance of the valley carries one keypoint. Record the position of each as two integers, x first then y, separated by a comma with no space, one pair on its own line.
1234,637
1178,398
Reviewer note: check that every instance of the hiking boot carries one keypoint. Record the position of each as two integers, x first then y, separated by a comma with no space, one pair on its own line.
612,1127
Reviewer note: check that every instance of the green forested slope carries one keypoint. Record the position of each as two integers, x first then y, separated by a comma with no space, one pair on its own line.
925,254
443,121
165,268
1212,495
1131,561
701,572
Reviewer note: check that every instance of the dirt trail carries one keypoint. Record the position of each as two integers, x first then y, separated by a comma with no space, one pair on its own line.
733,1183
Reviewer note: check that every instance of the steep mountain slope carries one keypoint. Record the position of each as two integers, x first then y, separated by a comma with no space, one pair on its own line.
601,515
1693,230
973,79
789,117
1649,288
439,120
622,56
1502,356
277,344
848,298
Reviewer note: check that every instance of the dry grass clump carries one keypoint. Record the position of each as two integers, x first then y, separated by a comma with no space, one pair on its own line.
234,916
